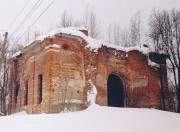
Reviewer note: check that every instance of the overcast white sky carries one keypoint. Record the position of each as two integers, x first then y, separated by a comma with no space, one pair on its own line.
119,11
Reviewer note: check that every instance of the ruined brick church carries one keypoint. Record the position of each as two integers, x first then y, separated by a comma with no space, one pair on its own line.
55,70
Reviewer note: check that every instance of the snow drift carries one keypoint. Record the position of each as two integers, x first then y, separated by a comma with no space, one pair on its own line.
94,119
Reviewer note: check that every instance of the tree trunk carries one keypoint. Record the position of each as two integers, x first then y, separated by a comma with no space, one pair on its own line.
178,98
162,89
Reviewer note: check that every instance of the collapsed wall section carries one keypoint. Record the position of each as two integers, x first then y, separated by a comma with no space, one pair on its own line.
142,87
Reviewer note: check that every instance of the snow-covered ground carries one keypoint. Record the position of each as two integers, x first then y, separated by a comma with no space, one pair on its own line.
94,119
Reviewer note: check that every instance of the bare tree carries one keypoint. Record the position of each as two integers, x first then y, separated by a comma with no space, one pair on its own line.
90,22
36,34
4,75
125,39
135,30
109,33
27,37
3,50
116,34
77,23
164,31
8,48
93,25
66,20
86,17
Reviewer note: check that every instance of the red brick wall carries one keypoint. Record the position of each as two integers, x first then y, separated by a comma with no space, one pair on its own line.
66,70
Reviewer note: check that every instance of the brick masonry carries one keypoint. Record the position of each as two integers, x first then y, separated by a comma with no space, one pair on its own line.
66,69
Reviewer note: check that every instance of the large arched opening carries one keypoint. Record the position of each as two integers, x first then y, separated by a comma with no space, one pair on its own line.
115,91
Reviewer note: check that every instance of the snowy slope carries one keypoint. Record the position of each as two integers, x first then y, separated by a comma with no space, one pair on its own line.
95,119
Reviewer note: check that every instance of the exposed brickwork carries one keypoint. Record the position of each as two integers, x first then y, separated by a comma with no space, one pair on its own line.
66,70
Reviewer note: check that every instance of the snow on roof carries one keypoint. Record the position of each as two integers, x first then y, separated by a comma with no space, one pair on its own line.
95,119
92,44
16,54
68,30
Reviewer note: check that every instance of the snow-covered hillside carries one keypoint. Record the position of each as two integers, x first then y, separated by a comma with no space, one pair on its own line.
94,119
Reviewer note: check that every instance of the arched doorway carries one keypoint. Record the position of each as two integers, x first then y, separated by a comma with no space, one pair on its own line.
115,91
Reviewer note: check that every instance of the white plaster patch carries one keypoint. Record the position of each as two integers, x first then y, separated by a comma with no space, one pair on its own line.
53,46
55,50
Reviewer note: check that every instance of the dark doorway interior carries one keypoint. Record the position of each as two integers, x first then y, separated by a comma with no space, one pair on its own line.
115,91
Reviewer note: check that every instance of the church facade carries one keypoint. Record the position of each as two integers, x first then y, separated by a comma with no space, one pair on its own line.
54,73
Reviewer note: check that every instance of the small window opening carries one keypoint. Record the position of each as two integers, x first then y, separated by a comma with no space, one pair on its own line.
40,79
65,46
26,94
16,92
